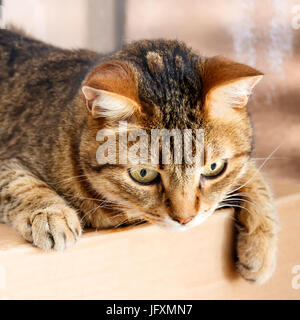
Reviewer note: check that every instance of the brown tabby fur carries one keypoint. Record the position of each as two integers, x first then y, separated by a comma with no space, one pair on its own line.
50,182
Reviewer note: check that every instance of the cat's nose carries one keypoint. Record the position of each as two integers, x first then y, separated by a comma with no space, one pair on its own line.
183,220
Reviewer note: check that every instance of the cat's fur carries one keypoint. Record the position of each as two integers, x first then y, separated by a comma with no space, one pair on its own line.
50,182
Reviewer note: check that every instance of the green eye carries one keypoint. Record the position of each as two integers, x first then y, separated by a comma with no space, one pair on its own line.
143,176
214,169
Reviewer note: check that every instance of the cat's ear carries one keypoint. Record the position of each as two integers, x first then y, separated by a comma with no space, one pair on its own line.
228,84
106,104
110,91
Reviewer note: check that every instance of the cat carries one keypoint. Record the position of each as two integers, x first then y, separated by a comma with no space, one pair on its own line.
54,101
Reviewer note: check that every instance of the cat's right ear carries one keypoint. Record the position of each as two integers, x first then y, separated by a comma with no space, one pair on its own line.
110,91
227,84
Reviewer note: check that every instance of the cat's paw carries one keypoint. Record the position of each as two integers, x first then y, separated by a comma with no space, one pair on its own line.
256,256
56,227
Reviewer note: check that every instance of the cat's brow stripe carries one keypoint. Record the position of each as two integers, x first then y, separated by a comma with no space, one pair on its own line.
104,166
242,154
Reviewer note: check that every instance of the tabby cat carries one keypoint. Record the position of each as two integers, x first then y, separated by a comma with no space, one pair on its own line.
54,101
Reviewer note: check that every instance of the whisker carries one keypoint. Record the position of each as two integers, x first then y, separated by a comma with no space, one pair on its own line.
241,194
274,158
242,200
235,206
121,223
71,178
102,202
258,169
151,218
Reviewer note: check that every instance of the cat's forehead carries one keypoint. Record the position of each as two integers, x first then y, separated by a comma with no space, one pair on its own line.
183,174
169,79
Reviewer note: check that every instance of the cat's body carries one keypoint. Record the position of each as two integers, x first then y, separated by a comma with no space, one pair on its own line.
33,89
38,111
52,104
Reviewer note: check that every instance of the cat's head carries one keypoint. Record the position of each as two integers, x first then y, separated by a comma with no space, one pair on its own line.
164,85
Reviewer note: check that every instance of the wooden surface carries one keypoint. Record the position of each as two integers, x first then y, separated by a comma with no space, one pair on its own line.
148,263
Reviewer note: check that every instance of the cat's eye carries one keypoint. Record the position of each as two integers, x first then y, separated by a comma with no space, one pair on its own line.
214,169
144,176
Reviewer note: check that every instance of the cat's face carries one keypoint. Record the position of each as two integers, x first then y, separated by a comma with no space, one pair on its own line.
169,89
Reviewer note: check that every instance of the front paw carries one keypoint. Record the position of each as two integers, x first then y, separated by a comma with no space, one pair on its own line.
256,254
56,227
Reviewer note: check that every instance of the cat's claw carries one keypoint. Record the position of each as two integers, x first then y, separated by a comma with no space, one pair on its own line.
54,227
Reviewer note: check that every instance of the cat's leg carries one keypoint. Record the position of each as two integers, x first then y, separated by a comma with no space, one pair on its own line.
257,229
36,211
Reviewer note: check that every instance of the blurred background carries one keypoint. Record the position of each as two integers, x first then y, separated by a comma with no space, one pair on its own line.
262,33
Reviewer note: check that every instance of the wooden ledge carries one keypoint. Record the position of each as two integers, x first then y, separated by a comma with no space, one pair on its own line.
147,262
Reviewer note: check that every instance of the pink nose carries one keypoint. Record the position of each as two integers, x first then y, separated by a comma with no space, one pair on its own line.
183,220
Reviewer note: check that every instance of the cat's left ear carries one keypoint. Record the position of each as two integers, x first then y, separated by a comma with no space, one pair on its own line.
110,91
228,84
